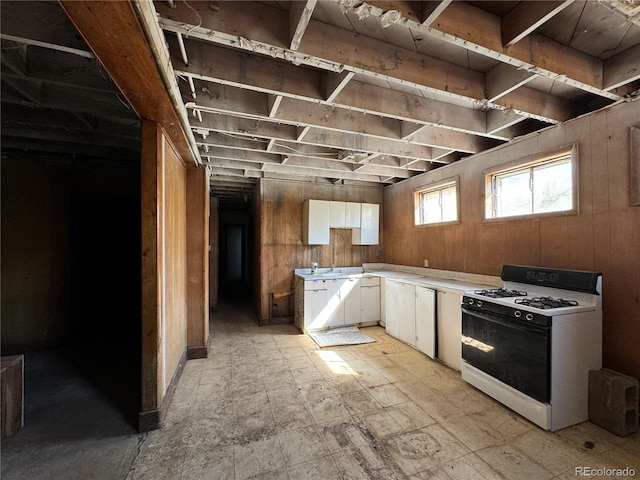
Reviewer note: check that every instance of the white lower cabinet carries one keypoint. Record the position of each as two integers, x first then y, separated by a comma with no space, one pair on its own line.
335,305
410,315
370,303
350,295
392,304
449,317
426,321
315,302
406,313
332,303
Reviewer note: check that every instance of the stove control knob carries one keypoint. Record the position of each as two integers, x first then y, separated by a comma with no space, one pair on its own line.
479,303
470,301
529,316
517,313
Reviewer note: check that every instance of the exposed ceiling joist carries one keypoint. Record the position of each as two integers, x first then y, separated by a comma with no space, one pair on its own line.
526,17
334,92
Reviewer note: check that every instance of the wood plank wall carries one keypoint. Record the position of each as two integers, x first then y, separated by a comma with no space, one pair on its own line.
214,216
164,270
602,237
197,193
278,234
175,251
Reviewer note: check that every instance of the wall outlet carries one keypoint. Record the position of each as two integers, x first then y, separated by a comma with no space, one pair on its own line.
426,262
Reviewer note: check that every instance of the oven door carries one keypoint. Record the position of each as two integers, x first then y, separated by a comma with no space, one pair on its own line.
512,351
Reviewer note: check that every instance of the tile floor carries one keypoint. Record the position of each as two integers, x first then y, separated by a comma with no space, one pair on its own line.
269,404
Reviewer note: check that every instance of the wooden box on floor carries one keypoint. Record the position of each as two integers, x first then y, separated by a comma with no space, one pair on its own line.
12,395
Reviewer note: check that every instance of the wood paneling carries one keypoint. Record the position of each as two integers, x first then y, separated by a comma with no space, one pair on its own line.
197,262
278,240
174,282
164,271
601,237
214,219
151,138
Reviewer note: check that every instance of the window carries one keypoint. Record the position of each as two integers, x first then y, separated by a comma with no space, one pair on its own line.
437,204
545,185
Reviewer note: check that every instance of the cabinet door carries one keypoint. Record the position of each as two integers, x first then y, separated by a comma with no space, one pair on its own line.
350,294
315,313
337,214
370,303
367,234
335,306
352,215
449,328
315,222
407,313
426,321
392,302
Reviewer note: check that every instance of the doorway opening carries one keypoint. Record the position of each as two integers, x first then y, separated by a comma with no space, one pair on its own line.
235,240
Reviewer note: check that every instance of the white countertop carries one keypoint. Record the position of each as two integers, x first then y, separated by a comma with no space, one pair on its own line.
426,280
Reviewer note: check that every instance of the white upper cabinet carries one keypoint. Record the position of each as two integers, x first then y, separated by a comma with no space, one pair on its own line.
315,222
367,234
337,214
318,216
352,213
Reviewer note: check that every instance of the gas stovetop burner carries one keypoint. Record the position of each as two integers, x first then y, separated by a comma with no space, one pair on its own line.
500,293
546,302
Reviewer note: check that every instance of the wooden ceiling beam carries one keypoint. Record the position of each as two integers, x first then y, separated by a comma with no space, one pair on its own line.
264,75
245,127
259,160
294,169
267,75
242,103
444,138
370,57
470,27
115,32
550,112
622,68
498,120
503,79
334,83
299,16
431,10
526,17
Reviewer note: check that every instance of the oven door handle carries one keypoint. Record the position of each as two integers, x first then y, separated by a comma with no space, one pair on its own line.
510,323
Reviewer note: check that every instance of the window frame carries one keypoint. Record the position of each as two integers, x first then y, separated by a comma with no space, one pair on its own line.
532,161
431,187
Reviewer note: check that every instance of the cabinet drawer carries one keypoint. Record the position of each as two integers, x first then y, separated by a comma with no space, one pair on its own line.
315,285
370,281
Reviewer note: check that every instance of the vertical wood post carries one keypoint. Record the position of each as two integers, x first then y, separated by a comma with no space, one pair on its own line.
197,263
213,254
151,218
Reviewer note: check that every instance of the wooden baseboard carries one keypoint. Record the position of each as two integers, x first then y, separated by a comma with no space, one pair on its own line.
201,351
152,419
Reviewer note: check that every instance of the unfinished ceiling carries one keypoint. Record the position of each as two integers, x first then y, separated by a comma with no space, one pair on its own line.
337,92
56,97
345,91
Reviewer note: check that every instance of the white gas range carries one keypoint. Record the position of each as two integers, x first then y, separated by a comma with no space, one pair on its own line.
531,344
